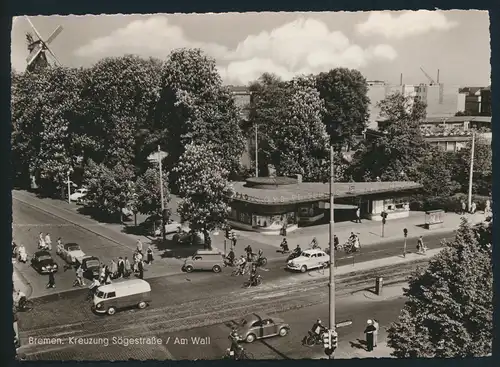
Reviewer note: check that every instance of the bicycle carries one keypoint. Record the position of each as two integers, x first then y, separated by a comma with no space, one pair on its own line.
256,282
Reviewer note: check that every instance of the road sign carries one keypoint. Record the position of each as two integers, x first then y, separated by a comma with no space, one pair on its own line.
344,323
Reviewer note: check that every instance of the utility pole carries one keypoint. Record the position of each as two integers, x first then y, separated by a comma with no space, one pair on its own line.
256,152
69,187
331,284
161,196
471,173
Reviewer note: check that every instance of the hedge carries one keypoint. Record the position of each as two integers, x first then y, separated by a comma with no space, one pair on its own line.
448,204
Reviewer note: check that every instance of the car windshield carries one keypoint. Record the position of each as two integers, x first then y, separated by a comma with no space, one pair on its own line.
81,191
92,263
100,294
74,248
44,257
305,254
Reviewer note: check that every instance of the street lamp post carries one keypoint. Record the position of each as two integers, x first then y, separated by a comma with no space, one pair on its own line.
471,173
256,152
161,191
331,283
69,187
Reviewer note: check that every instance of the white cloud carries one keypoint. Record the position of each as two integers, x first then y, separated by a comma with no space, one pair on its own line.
299,47
410,23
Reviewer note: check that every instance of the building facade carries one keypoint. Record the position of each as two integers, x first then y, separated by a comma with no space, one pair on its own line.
267,204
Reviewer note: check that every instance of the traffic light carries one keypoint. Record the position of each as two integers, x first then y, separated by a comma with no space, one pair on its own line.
327,341
405,232
334,340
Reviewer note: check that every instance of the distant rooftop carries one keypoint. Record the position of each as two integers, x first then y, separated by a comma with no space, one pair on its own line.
452,119
239,89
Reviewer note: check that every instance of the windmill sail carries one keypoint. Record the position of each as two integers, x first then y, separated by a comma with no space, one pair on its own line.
37,48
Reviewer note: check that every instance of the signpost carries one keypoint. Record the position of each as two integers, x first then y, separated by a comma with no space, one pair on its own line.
405,233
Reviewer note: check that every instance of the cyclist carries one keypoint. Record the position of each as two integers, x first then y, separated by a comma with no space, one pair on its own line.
253,275
242,264
20,299
314,243
318,328
93,287
230,257
284,246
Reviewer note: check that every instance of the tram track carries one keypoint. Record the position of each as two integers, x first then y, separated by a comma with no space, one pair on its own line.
218,309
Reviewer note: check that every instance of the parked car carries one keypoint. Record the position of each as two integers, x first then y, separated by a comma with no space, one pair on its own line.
43,262
152,226
309,259
90,266
186,237
78,194
71,253
260,326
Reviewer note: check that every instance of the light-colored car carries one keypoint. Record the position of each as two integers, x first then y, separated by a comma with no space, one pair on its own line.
309,259
259,326
204,260
71,253
78,194
172,227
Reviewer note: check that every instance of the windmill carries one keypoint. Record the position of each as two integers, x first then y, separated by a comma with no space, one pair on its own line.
37,48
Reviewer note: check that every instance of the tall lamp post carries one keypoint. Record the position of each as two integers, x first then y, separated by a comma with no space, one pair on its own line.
471,173
161,193
69,184
256,151
331,283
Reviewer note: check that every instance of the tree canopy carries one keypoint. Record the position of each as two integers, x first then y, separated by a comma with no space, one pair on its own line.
397,150
195,107
147,192
449,312
344,92
204,188
291,133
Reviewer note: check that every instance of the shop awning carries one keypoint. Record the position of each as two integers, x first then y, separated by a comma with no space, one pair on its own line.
326,205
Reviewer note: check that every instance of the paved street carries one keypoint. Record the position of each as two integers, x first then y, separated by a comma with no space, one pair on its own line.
29,221
153,327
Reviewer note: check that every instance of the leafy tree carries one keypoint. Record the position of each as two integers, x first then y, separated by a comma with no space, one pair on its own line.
292,136
204,188
344,92
397,150
449,312
436,173
109,189
119,99
483,160
195,107
42,124
147,192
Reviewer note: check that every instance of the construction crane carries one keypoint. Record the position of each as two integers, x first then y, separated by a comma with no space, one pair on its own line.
432,82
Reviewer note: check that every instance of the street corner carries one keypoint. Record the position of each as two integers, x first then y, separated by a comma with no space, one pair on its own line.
20,283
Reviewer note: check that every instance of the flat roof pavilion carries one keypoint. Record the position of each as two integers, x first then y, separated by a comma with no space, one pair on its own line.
282,191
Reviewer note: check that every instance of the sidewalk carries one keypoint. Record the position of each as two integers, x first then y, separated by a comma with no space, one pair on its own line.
20,284
369,232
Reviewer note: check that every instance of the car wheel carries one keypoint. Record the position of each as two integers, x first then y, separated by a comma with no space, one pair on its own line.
188,269
216,269
250,338
111,311
283,331
303,269
142,305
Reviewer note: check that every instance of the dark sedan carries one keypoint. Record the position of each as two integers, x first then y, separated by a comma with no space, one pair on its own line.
189,238
259,326
90,266
43,262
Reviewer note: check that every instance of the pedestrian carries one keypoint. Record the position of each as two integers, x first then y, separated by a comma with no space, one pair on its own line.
127,268
358,215
121,267
113,267
233,239
464,208
79,278
60,246
139,246
283,229
369,332
102,274
141,270
375,333
41,241
48,241
473,208
107,275
249,252
421,246
487,207
52,280
150,255
335,242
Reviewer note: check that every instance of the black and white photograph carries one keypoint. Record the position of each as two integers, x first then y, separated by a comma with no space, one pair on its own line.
252,186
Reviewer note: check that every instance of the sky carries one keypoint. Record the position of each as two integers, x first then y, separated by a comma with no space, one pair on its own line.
381,45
